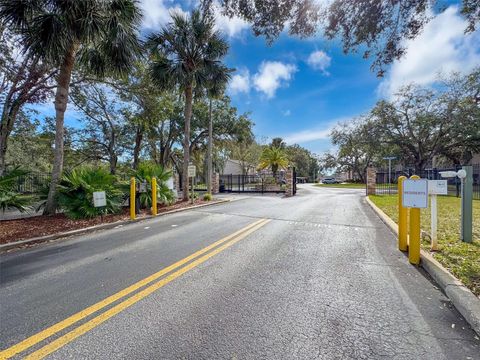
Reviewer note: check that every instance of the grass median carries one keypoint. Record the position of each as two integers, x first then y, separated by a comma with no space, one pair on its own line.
461,259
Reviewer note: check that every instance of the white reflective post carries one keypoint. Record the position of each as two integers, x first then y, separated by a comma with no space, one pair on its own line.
433,220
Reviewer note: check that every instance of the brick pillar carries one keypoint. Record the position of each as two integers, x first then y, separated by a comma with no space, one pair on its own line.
289,185
371,181
215,183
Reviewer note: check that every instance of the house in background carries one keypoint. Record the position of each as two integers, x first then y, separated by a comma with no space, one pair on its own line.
237,167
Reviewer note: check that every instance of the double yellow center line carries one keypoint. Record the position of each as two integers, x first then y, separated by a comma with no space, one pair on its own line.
193,261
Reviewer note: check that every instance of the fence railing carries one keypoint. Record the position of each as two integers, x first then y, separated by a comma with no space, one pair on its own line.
387,182
263,183
32,183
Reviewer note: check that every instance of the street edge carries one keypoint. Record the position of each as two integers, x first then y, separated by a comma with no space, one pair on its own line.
90,229
462,298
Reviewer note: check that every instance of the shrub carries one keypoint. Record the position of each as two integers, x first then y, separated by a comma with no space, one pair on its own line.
75,192
207,197
9,197
145,173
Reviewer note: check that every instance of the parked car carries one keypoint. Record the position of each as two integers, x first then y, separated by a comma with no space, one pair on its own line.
329,181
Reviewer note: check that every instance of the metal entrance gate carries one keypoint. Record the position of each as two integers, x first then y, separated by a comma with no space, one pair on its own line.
262,183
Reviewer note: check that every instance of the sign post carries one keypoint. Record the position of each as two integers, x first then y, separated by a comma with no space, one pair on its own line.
415,197
99,200
402,218
154,196
467,203
466,221
389,158
192,172
435,187
132,198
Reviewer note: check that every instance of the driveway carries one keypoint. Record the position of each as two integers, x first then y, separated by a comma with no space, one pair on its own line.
316,276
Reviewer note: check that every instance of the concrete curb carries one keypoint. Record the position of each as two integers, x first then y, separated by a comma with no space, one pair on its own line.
41,239
462,298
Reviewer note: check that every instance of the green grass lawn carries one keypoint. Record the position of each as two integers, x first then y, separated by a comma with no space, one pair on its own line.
462,259
345,186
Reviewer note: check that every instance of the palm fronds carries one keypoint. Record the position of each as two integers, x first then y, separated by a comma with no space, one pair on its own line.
9,198
75,192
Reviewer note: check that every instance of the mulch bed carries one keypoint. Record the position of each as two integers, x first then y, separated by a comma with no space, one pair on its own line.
21,229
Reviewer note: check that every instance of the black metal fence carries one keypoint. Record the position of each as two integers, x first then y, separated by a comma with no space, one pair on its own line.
262,183
32,183
387,182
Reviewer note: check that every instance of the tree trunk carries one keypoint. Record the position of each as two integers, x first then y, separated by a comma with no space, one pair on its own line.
113,164
210,145
9,115
3,144
61,100
186,140
111,153
137,148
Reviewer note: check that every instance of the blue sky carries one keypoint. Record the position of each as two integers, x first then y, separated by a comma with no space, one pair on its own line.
314,95
299,89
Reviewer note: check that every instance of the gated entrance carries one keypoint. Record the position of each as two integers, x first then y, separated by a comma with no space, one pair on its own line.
260,183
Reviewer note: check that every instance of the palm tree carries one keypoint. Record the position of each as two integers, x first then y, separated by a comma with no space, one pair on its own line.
186,54
98,36
274,158
216,88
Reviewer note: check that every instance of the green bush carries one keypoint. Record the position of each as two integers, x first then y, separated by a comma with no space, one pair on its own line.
9,198
145,173
207,197
75,192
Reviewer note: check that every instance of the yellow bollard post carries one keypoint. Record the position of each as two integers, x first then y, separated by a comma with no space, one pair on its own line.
154,196
132,198
414,245
402,218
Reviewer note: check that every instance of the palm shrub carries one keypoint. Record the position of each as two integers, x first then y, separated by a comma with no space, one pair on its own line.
75,192
9,198
97,36
145,173
274,158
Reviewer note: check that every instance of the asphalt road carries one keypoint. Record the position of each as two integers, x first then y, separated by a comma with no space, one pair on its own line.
320,278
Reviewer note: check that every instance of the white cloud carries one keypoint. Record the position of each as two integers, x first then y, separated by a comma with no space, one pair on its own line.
319,60
232,27
272,75
316,133
442,47
286,113
156,13
240,82
307,136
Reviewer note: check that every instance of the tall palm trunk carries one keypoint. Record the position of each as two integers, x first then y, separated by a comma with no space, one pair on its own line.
61,100
186,140
209,155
